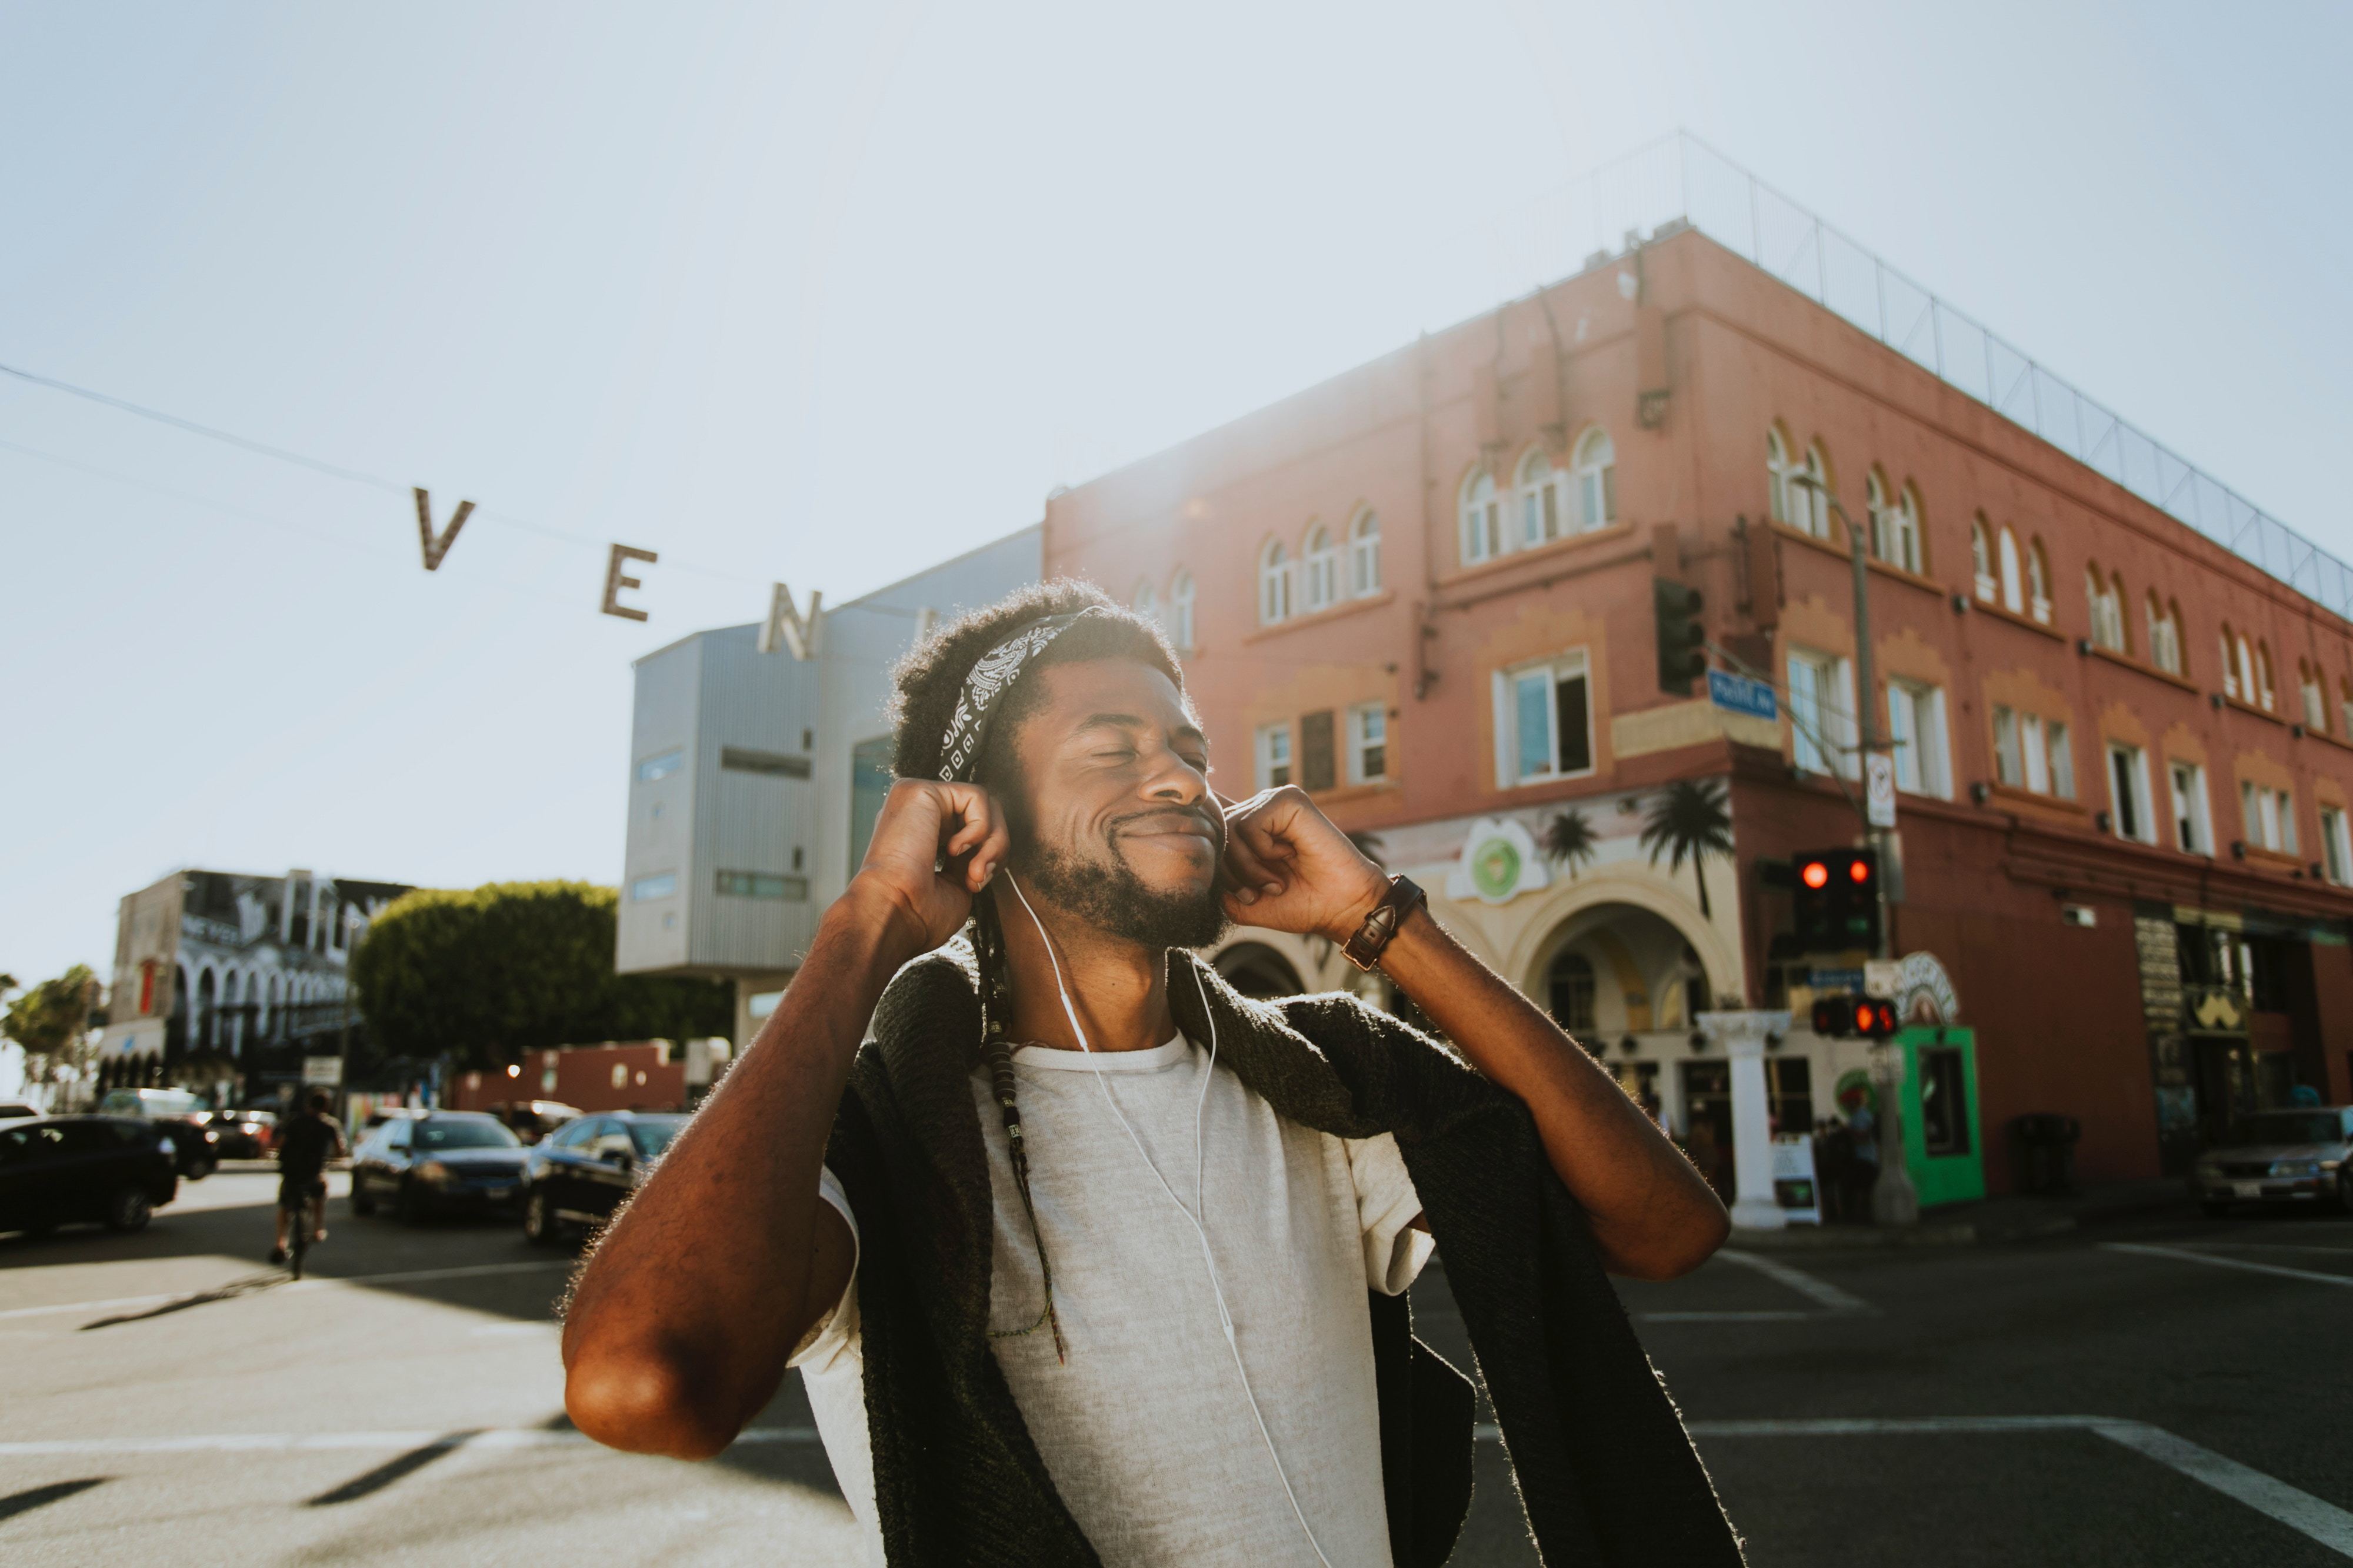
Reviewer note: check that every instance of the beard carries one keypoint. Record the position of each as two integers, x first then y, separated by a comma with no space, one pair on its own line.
1107,894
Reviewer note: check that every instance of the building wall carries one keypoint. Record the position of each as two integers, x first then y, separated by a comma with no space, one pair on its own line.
645,1075
1990,868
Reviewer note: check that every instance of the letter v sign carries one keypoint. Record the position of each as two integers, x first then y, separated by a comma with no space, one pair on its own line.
436,548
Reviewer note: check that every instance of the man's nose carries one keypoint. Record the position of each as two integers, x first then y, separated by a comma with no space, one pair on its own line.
1173,779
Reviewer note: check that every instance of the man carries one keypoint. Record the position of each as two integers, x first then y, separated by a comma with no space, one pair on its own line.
1086,1258
309,1141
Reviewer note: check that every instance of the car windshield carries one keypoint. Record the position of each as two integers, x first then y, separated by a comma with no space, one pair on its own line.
653,1133
436,1133
2287,1127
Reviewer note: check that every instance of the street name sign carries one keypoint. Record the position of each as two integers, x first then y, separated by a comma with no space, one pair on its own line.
328,1070
1739,694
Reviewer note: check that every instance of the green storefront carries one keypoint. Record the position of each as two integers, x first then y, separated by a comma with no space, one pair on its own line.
1944,1148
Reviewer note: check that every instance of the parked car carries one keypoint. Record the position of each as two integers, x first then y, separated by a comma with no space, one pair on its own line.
17,1110
112,1170
580,1173
2301,1156
246,1134
184,1118
533,1120
436,1162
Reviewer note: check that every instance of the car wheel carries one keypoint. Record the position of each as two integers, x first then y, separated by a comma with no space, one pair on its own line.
540,1225
199,1169
362,1205
129,1209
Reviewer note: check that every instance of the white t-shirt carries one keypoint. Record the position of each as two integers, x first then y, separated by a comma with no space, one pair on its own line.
1147,1432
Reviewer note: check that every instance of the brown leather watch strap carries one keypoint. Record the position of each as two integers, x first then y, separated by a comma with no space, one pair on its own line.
1380,928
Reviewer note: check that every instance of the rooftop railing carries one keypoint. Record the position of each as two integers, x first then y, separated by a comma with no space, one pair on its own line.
1680,178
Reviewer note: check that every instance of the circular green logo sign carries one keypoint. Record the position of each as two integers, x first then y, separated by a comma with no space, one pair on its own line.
1495,869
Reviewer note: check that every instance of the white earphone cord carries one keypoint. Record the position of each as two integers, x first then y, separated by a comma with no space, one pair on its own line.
1217,1288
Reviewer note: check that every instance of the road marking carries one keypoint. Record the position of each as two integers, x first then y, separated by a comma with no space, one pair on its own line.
2299,1510
2281,1247
1834,1302
2186,1254
313,1283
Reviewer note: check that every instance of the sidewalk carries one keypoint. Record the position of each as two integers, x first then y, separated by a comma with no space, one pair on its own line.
1989,1220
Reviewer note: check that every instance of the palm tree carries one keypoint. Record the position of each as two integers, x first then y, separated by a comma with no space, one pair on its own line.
1690,818
1568,838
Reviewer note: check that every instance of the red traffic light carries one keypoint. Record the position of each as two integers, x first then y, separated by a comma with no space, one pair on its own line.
1874,1020
1815,874
1859,870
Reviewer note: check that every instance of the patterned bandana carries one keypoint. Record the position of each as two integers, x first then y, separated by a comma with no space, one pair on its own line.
991,678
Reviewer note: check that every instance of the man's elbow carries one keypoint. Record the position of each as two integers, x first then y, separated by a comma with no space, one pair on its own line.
645,1402
1670,1252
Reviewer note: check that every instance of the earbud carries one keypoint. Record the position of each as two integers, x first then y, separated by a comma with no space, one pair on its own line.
1216,1286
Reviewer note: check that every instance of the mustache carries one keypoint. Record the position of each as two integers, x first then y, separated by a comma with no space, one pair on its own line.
1206,814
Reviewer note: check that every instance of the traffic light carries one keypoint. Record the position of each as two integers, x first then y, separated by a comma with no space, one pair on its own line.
1836,1017
1683,654
1837,900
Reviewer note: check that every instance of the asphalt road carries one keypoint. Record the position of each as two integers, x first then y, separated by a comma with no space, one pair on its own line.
168,1398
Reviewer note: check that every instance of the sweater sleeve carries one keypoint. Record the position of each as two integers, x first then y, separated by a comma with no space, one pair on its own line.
1386,1206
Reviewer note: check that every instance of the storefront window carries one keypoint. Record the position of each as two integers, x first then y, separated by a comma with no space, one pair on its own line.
1944,1103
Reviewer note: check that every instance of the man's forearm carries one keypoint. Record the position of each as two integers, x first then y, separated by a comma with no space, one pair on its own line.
682,1321
1652,1215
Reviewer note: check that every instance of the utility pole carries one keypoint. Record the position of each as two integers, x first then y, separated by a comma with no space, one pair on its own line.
1893,1200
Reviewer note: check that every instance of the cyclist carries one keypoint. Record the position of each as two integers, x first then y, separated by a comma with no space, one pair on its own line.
309,1141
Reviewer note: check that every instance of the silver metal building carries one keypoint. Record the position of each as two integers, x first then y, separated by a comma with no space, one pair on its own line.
756,776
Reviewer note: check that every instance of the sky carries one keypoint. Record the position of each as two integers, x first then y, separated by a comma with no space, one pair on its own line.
826,293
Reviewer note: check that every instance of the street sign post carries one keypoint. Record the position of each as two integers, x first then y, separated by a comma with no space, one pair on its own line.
1879,789
1739,694
326,1071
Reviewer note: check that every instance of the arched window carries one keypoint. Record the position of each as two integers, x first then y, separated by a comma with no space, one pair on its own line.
2314,696
2107,597
1541,512
2233,648
1877,506
1982,557
1365,554
1180,612
1814,495
2164,636
1323,569
1146,602
2037,582
1570,988
1779,471
2013,591
1909,552
1274,584
2264,692
2345,706
1482,518
1595,471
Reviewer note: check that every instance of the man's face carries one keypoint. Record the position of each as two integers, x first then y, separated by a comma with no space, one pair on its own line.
1114,821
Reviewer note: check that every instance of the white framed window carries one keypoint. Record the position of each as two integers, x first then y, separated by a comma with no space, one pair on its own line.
2128,808
1916,725
2164,637
2037,582
1180,612
2107,611
1540,509
2284,804
1274,584
1365,554
1543,721
1274,755
2032,753
2193,830
2038,752
2063,761
1482,521
1896,526
2335,847
1595,470
2262,684
1981,558
2013,586
2316,701
2269,817
660,885
1369,744
1322,565
1813,496
1780,470
2009,749
1821,713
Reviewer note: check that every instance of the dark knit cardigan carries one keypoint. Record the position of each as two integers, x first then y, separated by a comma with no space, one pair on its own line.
1606,1473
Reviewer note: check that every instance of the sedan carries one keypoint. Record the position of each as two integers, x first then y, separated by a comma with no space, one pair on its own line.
581,1172
110,1170
245,1134
437,1162
2298,1157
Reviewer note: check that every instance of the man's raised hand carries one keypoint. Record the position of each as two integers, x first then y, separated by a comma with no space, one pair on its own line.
1288,868
934,846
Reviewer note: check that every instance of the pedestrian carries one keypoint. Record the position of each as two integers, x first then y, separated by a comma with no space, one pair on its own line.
304,1148
1086,1258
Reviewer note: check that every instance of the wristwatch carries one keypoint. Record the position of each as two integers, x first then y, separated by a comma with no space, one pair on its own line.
1381,926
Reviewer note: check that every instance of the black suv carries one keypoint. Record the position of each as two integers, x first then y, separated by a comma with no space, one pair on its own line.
110,1170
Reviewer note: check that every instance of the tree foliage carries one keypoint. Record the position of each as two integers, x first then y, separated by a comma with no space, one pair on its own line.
486,974
1570,840
51,1021
1690,818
